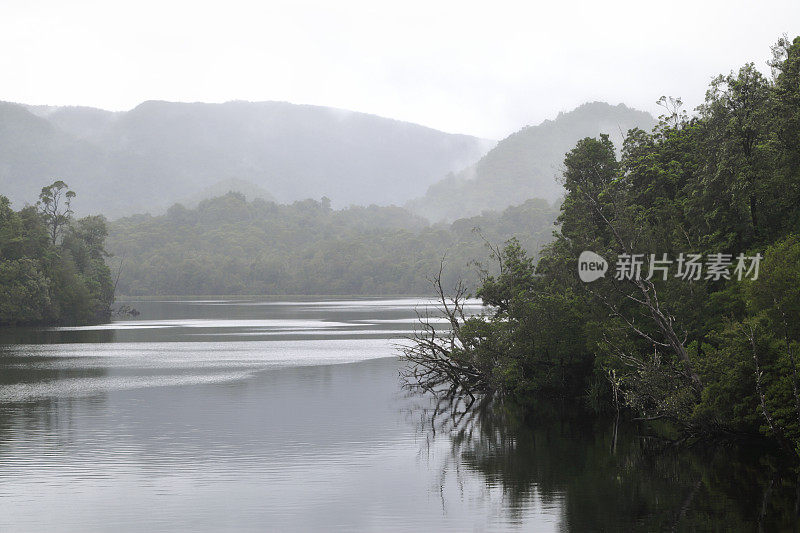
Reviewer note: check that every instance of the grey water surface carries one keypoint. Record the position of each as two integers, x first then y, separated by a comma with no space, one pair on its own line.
288,415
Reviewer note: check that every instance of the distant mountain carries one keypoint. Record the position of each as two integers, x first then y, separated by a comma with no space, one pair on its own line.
33,152
526,164
162,152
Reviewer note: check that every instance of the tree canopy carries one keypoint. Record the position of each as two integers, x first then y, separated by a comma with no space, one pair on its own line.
229,245
52,267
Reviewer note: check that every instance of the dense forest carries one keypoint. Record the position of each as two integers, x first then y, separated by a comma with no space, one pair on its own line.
712,354
52,267
229,245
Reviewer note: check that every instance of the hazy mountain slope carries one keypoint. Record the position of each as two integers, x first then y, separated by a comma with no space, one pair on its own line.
82,122
161,152
526,164
34,152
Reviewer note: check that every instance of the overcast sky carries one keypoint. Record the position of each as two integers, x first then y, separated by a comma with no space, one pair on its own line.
486,68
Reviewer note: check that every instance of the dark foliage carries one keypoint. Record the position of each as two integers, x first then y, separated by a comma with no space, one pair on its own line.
52,268
709,355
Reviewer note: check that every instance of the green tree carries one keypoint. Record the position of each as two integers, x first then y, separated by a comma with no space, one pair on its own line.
44,281
55,205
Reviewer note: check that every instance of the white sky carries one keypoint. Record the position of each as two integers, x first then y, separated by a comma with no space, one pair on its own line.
483,68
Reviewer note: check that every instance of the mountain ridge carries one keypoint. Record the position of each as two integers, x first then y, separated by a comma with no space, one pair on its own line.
161,152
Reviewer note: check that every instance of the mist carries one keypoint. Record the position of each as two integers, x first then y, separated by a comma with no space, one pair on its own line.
451,66
314,266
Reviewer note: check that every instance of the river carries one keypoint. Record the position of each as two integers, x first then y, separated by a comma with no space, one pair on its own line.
288,415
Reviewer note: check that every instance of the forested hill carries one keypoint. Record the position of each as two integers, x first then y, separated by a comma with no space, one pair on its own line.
229,245
526,164
158,153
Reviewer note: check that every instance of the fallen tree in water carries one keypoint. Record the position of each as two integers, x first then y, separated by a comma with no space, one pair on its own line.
444,359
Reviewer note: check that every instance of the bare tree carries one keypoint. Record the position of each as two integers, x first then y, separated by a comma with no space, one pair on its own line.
675,114
440,359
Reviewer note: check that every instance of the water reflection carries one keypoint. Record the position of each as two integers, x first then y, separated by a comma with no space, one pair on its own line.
605,475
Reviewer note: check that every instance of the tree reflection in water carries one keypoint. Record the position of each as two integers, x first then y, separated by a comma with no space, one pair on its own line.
608,475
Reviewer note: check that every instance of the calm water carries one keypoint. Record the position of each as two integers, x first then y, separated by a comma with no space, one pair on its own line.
288,415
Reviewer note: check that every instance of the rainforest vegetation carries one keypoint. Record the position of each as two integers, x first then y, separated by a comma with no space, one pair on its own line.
52,267
229,245
710,356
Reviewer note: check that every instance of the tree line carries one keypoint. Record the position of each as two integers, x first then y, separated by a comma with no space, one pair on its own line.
229,245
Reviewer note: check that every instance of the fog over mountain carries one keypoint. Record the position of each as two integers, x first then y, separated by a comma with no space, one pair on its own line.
526,164
159,153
